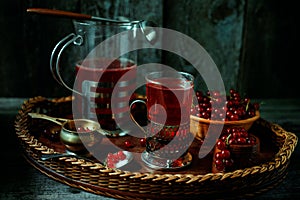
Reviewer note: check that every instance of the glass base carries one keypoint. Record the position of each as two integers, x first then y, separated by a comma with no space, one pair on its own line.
164,163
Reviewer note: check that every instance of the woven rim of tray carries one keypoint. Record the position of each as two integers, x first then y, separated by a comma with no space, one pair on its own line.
280,161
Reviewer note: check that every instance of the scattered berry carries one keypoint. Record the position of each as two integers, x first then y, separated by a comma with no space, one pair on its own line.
143,142
113,158
177,163
128,144
121,155
83,129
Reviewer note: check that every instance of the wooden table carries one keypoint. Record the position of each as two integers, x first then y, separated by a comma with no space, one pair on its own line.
19,180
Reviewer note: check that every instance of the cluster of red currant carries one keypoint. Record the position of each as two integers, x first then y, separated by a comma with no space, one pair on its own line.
113,158
231,107
236,135
223,158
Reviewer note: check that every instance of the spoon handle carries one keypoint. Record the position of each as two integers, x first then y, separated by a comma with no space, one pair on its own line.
59,13
56,120
146,26
50,156
72,15
45,157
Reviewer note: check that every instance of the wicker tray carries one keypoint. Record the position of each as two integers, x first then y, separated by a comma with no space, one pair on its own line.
195,181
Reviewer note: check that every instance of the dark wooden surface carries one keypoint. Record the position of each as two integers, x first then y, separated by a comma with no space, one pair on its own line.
19,180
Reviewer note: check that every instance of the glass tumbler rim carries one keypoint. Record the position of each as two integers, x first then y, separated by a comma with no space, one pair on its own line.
152,76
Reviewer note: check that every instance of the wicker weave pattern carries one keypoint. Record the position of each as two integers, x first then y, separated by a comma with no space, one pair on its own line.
96,178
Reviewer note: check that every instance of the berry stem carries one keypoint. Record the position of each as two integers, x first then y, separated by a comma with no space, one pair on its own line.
227,139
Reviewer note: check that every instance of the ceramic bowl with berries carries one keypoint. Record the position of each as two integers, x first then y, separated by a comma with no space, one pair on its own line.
214,108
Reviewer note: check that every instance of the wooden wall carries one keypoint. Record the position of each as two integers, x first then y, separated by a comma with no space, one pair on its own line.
253,42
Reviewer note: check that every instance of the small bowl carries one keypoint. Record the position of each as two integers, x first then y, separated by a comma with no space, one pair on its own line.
75,134
199,126
78,133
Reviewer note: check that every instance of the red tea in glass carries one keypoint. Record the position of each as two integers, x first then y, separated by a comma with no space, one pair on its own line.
95,80
169,101
98,45
171,97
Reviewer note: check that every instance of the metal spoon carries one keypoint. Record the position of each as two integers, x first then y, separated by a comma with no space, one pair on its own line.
66,154
147,27
63,122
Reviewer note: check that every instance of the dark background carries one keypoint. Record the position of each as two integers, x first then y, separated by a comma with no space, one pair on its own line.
253,42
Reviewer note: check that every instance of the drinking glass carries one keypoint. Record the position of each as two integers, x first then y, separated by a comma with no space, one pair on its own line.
168,100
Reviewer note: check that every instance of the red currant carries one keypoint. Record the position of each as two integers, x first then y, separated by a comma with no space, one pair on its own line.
220,167
110,156
241,140
143,142
218,156
218,162
232,141
128,144
234,117
80,129
228,162
177,163
225,154
113,158
111,164
221,144
251,140
224,137
121,155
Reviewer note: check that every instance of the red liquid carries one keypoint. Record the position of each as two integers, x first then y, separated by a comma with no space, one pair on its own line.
174,95
100,76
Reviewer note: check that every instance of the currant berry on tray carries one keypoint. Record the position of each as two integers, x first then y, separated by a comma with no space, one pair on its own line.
114,158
